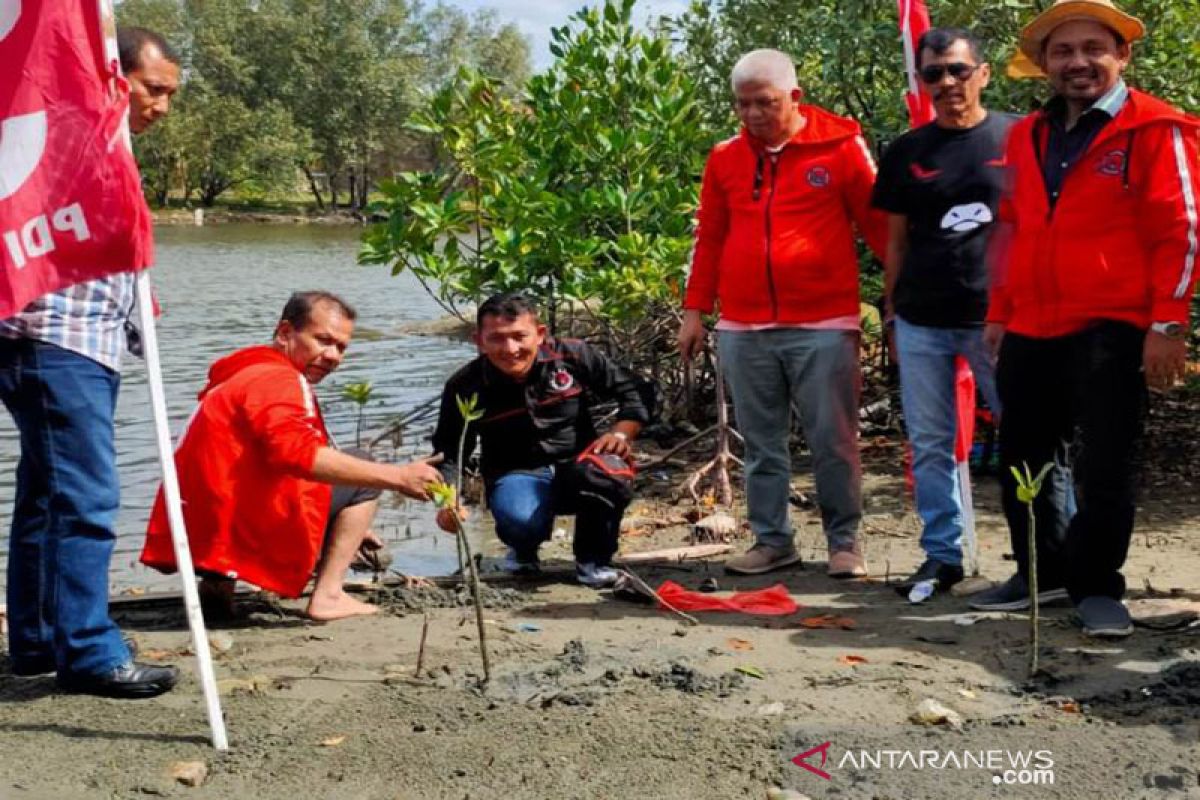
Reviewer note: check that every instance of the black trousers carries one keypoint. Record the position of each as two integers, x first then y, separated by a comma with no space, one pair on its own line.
1079,402
525,502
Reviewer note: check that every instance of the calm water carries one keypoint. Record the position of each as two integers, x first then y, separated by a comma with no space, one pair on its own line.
222,288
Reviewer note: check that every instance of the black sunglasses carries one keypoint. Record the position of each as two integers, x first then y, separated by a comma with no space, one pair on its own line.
932,73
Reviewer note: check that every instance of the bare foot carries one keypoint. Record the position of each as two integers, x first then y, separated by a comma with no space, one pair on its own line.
326,608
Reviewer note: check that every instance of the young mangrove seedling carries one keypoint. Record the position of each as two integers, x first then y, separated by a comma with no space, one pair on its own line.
468,409
446,496
1028,488
360,395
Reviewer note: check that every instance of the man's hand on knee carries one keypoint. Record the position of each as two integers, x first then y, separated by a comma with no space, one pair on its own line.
615,443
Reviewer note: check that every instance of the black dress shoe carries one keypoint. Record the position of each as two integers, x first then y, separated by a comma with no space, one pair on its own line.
32,667
44,665
943,576
130,681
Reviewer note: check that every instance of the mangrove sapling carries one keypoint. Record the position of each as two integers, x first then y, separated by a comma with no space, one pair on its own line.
717,469
469,413
360,395
446,497
1028,488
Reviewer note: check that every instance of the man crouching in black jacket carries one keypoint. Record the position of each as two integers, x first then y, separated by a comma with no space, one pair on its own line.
540,454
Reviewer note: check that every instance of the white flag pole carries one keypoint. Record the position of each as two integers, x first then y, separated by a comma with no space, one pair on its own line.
970,543
183,556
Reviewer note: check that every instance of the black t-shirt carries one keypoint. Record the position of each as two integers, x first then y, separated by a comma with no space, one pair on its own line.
948,183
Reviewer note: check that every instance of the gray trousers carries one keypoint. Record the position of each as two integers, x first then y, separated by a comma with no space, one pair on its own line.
816,374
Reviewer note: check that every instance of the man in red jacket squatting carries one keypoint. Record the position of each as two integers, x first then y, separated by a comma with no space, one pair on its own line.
775,246
1089,303
265,496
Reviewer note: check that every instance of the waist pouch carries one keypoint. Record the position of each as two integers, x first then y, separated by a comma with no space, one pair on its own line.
607,478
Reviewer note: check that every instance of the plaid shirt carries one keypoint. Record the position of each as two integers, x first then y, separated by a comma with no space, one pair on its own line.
88,318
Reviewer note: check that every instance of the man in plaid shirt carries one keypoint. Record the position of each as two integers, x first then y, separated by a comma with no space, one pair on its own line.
59,374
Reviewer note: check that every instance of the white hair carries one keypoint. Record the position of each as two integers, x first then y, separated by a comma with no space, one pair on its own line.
765,66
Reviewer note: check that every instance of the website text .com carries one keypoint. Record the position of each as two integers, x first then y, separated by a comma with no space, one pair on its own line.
1007,767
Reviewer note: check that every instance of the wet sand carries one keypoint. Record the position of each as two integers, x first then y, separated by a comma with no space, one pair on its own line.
594,697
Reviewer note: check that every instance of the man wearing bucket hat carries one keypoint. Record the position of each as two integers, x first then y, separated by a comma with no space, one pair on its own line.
1095,264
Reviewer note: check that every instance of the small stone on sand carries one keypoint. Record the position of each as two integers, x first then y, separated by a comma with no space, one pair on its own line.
189,773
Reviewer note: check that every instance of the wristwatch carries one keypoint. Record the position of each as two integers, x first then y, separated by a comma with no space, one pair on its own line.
1171,330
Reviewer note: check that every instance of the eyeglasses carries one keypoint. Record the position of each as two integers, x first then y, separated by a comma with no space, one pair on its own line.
933,73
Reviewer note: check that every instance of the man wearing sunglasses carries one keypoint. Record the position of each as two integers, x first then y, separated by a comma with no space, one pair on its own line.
1089,302
775,246
940,185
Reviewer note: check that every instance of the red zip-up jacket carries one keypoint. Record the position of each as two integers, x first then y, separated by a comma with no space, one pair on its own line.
251,507
774,241
1120,243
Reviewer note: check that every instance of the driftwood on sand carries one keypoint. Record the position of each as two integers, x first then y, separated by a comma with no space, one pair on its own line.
673,555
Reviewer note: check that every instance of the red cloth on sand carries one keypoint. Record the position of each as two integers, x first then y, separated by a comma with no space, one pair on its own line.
772,601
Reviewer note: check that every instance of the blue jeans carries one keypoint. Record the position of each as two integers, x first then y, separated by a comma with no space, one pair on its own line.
927,390
525,502
66,504
816,374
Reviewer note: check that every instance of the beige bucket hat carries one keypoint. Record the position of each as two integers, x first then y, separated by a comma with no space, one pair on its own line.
1103,11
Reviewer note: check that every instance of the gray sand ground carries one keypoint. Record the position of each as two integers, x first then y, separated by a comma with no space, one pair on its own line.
597,698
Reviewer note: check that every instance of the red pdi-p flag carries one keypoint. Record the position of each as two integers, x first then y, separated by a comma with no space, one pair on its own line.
914,21
71,204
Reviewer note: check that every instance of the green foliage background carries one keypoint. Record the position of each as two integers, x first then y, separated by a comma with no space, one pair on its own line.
581,188
283,94
849,58
576,184
582,184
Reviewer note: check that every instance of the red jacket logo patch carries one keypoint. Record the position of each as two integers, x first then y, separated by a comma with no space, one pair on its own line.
819,177
1112,164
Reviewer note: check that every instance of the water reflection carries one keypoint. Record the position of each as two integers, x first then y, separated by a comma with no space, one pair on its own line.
222,288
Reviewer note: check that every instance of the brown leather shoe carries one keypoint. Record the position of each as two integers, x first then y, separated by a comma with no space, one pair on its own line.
762,558
847,564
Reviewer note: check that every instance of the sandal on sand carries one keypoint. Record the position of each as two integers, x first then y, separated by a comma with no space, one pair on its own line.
216,599
371,556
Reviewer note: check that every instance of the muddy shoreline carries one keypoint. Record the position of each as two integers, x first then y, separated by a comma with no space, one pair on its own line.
229,216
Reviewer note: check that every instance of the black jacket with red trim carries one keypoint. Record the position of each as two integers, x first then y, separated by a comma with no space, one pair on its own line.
543,421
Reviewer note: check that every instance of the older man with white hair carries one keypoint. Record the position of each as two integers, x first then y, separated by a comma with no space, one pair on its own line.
775,248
